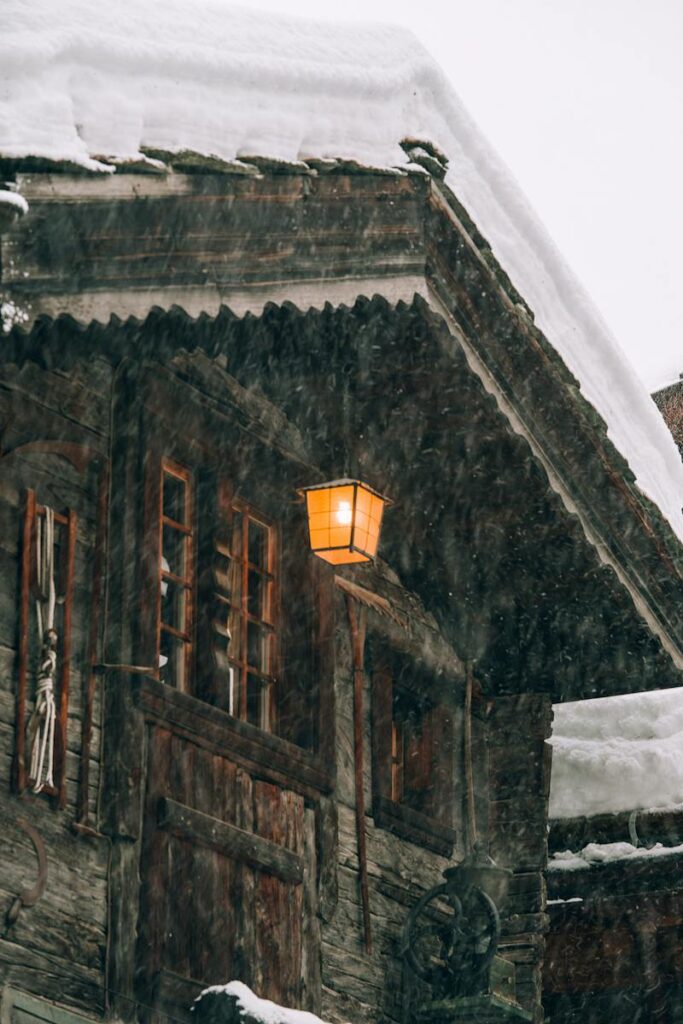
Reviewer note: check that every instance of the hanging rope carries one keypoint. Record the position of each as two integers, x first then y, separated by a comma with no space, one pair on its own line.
42,722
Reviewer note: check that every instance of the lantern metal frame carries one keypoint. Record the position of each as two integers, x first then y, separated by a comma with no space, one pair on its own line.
330,485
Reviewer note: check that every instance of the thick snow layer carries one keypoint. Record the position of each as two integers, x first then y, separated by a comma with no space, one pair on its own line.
13,199
607,853
262,1010
100,81
617,754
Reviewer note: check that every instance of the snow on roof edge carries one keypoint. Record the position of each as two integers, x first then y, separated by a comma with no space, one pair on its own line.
108,81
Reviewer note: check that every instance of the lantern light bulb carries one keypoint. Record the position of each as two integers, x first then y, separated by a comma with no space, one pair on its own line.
344,514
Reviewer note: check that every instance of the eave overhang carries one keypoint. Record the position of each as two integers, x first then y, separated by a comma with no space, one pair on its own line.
276,236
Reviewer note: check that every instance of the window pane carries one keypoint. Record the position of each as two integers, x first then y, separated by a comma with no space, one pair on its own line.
174,498
257,702
227,576
172,669
237,533
174,605
174,546
258,598
258,544
257,647
235,644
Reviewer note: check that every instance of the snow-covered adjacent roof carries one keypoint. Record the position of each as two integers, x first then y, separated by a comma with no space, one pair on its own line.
93,83
608,853
617,754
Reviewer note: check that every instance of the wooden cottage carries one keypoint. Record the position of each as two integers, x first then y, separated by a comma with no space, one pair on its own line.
246,762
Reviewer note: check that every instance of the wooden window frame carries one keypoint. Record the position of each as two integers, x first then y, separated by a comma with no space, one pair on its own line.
434,833
169,467
267,680
202,446
68,521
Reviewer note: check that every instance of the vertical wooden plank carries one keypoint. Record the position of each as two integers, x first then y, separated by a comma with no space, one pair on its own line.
221,922
441,754
90,678
154,858
311,968
327,839
245,941
65,675
279,905
357,623
381,716
208,935
24,627
150,547
326,658
181,887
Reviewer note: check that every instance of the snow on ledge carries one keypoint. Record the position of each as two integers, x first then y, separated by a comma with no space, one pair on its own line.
101,81
617,754
262,1010
609,853
13,200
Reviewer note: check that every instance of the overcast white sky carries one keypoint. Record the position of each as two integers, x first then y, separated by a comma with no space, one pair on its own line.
584,101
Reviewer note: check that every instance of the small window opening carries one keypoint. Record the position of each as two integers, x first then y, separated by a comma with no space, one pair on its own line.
176,576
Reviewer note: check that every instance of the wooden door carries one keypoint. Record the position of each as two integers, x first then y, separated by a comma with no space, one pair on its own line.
222,870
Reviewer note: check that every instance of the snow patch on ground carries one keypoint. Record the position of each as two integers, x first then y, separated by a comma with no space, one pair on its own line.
262,1010
608,853
617,754
103,80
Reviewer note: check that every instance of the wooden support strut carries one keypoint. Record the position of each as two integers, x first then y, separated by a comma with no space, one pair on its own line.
357,624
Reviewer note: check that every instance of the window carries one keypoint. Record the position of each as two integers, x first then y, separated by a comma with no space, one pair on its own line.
412,753
218,576
234,609
248,624
176,576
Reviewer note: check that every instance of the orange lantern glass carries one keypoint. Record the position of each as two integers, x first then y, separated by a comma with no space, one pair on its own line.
344,520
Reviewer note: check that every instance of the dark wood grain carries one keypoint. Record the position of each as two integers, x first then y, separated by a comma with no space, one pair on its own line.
235,842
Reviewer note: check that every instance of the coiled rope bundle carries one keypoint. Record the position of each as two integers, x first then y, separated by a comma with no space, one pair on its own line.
42,722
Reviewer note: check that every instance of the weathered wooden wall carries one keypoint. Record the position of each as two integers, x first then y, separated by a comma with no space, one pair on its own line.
613,950
189,755
98,248
520,760
57,947
358,985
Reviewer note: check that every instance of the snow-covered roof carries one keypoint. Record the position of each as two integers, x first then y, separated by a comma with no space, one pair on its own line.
617,754
93,83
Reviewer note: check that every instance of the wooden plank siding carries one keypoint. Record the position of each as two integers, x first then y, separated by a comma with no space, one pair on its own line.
207,228
56,947
230,852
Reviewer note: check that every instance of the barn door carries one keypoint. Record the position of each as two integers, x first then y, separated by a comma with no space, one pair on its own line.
222,873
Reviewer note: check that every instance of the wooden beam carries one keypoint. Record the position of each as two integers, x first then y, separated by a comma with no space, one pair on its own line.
234,842
260,752
357,622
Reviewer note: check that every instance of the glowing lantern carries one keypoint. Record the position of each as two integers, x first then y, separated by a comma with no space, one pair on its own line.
344,520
